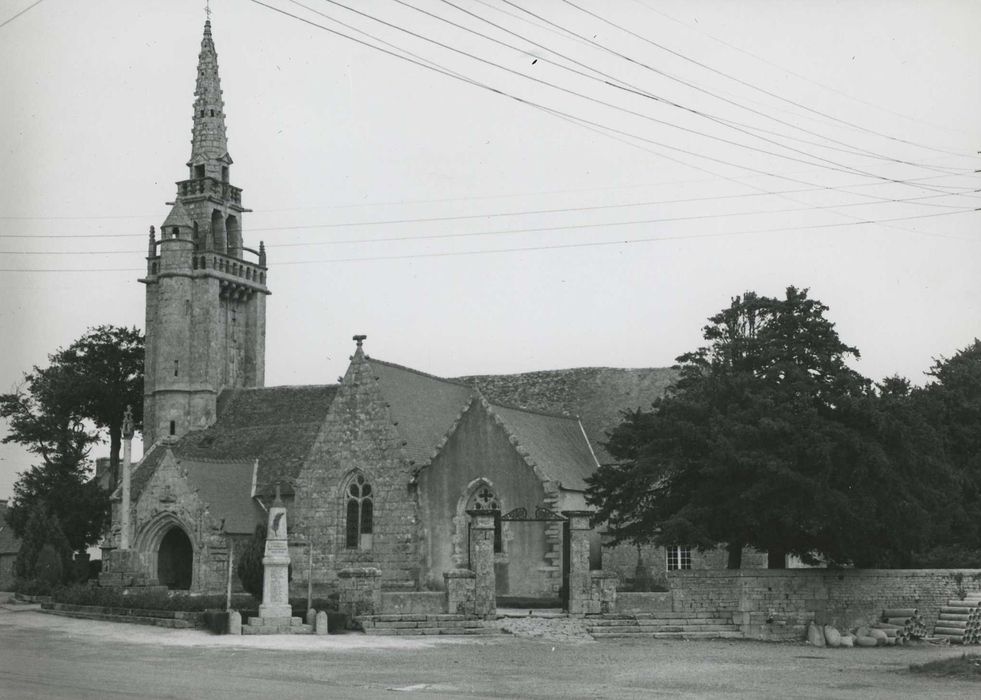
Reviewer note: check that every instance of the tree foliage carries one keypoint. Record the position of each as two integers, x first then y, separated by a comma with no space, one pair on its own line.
59,412
43,534
770,439
69,494
249,568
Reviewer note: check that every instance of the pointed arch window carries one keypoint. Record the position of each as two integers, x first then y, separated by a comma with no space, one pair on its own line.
360,513
485,499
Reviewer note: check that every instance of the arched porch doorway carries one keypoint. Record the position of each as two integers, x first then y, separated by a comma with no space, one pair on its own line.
175,560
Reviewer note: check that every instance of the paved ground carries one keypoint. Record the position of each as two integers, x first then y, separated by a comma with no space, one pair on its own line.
43,656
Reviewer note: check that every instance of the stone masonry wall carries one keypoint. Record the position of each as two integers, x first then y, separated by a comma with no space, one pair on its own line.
167,501
844,597
358,436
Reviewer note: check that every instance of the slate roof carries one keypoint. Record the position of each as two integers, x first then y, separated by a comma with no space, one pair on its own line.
177,217
226,488
9,544
597,395
276,425
425,407
555,444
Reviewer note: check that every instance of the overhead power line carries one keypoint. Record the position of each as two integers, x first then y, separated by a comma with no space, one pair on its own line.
822,162
12,18
558,246
532,212
739,80
788,71
621,84
550,110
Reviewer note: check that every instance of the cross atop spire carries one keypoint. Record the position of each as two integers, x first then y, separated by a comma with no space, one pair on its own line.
207,9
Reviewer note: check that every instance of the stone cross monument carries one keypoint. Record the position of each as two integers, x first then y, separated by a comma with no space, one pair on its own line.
275,565
124,508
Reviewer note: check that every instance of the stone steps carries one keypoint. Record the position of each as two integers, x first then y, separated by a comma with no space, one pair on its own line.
422,624
665,625
276,625
706,621
277,629
732,634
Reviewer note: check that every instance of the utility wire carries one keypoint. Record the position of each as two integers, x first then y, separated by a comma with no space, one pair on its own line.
635,89
531,212
11,19
823,162
605,130
475,234
784,69
530,103
560,246
738,80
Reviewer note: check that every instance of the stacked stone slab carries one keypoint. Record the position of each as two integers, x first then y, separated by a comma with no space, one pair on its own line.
959,621
415,625
665,625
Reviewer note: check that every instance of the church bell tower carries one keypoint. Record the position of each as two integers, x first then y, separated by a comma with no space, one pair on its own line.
205,291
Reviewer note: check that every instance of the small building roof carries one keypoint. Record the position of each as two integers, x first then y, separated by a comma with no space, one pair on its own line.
557,445
275,425
597,395
227,489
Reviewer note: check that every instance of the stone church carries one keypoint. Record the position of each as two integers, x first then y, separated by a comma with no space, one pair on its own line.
377,470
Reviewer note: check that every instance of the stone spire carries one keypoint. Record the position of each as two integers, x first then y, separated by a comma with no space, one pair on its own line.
209,146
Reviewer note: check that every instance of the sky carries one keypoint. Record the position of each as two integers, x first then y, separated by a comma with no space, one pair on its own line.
583,185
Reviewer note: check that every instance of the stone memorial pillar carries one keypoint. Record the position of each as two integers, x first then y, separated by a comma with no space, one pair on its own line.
124,507
482,562
579,525
275,565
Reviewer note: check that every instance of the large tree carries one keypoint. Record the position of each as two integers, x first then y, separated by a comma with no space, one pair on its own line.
107,368
59,412
951,405
768,439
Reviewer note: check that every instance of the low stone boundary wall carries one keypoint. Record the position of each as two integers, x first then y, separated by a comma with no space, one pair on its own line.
180,618
843,597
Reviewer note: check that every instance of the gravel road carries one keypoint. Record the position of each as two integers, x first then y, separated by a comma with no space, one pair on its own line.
43,656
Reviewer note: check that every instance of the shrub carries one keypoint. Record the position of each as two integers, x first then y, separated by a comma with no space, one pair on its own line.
26,586
42,530
249,567
47,566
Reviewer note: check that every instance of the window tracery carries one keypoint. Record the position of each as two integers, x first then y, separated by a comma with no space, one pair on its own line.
359,514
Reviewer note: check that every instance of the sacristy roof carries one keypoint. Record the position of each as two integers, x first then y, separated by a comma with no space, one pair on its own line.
597,395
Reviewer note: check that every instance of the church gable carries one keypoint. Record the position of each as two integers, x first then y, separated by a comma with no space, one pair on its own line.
352,493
